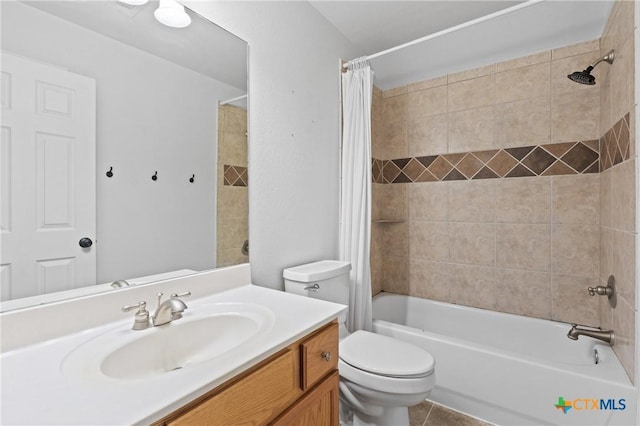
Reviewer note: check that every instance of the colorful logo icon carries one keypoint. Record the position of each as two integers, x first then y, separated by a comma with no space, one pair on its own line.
563,405
590,404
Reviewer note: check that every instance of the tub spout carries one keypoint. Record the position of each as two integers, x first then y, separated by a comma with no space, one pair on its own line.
606,336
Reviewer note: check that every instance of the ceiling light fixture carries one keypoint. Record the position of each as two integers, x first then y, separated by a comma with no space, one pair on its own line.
172,14
134,2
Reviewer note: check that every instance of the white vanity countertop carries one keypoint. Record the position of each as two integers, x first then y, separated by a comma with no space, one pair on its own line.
8,305
36,391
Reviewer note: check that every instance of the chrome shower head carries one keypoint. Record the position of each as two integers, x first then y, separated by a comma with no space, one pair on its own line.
585,77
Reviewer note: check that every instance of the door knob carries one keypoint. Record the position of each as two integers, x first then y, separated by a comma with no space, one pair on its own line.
85,242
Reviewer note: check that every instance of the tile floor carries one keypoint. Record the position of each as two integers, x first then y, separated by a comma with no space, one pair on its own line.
430,414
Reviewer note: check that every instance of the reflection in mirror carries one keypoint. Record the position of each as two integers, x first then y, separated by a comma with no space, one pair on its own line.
233,197
110,164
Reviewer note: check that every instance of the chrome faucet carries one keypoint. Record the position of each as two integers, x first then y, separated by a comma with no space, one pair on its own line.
169,310
595,333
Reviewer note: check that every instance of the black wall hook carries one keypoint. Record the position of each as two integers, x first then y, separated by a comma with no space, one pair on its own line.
155,176
110,172
192,178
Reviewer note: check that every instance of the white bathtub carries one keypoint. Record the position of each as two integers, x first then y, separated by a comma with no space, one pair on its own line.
508,369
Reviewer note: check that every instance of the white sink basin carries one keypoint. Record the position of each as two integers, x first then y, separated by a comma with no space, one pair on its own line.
204,333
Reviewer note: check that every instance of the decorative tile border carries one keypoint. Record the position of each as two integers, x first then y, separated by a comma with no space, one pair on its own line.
615,145
537,160
567,158
235,176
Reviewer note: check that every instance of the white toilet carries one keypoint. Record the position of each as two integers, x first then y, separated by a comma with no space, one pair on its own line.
380,377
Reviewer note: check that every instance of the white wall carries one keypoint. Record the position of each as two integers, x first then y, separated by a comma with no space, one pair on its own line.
294,130
144,227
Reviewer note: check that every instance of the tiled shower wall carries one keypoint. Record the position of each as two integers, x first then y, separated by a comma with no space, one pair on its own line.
524,245
617,181
473,229
233,197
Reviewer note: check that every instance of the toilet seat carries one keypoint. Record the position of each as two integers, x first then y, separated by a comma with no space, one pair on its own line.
383,363
385,356
394,385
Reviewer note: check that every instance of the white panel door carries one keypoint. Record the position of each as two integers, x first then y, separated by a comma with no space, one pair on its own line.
48,146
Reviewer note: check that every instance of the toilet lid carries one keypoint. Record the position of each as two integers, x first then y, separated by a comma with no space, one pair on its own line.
385,356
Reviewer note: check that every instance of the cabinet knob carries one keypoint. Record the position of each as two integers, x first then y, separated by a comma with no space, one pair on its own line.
326,356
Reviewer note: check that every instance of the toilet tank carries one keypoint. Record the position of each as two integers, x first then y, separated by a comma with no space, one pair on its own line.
325,280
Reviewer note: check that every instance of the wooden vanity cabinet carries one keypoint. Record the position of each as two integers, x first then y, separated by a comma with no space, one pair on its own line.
296,386
318,407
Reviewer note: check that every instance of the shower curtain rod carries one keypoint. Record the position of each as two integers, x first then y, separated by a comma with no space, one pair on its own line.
232,100
449,30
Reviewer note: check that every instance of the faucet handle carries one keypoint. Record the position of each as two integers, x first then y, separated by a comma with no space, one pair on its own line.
185,294
159,296
141,320
609,291
141,307
600,290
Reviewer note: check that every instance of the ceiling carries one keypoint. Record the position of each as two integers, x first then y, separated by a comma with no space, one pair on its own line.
202,46
374,26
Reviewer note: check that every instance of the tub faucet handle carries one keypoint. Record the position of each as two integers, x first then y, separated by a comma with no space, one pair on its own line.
184,294
600,290
609,291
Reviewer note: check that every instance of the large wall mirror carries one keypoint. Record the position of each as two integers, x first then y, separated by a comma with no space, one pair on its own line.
124,148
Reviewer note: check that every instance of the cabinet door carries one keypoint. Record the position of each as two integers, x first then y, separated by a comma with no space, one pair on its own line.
254,400
319,407
319,355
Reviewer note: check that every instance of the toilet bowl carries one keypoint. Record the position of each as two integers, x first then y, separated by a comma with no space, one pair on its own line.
380,377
